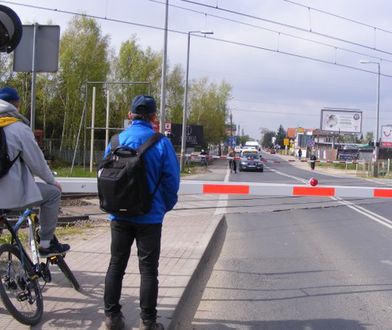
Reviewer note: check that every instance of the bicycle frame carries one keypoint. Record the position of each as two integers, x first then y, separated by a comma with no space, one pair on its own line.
22,270
31,219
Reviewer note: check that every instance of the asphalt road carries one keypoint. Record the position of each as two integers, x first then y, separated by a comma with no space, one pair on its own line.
300,262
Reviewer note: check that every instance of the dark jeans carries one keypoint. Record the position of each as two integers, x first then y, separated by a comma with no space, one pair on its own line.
233,165
148,242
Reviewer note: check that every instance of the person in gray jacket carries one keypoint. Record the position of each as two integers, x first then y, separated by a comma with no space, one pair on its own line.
18,188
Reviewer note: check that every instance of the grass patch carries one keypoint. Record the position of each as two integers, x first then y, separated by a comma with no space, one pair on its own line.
64,231
73,229
338,166
78,171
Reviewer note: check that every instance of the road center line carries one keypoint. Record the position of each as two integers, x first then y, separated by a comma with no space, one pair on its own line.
221,206
371,215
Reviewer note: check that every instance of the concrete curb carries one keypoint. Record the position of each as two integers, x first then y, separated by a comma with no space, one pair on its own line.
210,243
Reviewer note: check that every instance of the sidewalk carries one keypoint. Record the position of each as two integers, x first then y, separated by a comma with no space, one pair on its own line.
187,232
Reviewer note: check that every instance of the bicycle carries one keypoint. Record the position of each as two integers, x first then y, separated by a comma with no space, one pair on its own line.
20,289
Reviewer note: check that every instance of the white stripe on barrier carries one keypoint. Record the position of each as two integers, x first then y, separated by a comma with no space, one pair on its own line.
187,187
363,192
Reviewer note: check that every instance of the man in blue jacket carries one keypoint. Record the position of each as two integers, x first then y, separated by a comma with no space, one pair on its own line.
163,170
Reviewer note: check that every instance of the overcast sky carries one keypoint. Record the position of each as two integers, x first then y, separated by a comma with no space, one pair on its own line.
251,48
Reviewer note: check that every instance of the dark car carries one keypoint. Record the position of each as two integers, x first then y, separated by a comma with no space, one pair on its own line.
251,162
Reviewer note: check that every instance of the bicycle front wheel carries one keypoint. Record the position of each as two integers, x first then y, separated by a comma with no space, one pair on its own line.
67,272
20,294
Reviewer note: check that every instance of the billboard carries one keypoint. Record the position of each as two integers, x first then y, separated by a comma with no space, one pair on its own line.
386,136
341,120
194,135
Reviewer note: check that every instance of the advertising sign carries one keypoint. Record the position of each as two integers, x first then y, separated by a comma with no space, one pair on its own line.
386,136
194,135
341,120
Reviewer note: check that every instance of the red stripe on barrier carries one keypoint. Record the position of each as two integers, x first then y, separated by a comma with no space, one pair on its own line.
385,193
225,189
313,191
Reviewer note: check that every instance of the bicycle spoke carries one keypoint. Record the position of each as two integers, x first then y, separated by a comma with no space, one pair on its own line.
20,294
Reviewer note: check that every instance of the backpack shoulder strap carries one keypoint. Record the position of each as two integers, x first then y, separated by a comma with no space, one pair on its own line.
4,147
114,142
151,141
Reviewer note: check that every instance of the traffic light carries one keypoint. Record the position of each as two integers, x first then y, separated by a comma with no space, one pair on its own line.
10,29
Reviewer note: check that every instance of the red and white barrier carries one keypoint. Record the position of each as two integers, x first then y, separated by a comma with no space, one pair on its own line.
89,185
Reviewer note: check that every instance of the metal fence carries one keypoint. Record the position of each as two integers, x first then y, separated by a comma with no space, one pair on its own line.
367,168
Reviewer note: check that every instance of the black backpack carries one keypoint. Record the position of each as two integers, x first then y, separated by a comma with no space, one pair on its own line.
122,180
5,161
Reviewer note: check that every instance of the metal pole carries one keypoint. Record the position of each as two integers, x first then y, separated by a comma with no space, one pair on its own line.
78,136
92,131
184,115
231,129
107,118
164,65
33,76
376,139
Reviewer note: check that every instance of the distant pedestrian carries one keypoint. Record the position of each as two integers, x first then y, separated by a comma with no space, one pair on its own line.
299,153
203,158
232,161
312,159
163,177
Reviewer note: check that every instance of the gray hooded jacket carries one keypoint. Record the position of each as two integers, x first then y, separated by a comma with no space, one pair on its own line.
18,187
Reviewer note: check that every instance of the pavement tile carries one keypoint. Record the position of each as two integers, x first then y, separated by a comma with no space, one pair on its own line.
187,231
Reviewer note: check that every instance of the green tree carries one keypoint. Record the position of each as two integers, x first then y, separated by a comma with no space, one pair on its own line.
243,138
208,107
83,57
267,139
369,137
175,95
141,69
6,73
280,135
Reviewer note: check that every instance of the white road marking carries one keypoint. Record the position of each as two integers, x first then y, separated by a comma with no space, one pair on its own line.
371,215
221,206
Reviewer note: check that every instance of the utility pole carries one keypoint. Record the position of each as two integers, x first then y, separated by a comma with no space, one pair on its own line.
163,80
231,129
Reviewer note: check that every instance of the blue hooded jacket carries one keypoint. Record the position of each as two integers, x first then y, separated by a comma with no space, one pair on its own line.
160,160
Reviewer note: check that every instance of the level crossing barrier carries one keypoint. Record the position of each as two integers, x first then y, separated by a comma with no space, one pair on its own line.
190,187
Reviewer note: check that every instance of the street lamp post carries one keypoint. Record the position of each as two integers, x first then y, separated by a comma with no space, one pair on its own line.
185,110
376,135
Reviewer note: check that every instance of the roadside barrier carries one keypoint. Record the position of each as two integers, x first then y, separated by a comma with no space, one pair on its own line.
188,187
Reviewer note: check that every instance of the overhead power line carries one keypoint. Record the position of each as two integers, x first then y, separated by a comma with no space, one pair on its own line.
205,37
338,16
234,12
295,55
86,15
279,33
277,112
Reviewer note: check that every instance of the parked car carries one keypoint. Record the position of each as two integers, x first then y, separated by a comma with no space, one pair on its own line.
251,162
